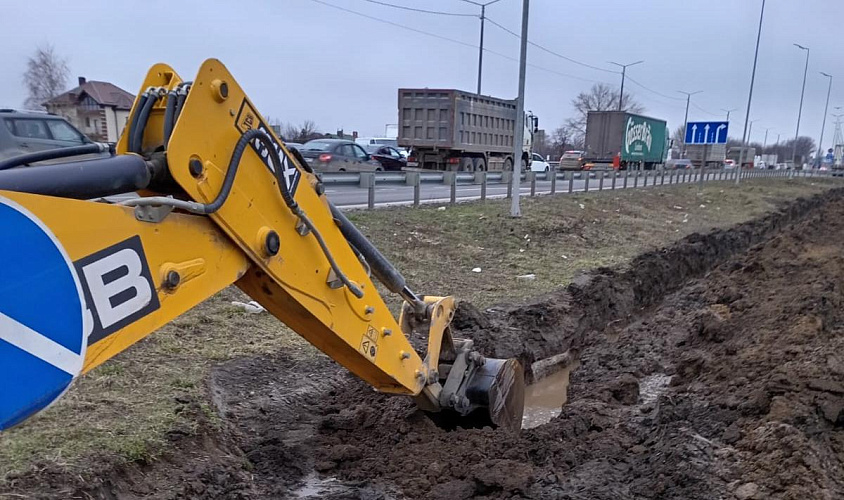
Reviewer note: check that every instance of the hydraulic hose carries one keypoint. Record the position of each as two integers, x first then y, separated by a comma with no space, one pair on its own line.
134,125
169,116
52,154
181,96
138,131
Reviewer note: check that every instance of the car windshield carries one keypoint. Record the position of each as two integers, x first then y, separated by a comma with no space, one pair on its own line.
317,146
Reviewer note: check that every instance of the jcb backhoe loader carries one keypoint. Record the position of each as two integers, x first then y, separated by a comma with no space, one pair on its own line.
220,201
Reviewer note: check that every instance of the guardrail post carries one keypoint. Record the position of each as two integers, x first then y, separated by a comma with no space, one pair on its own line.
636,178
483,185
507,178
645,178
366,180
414,179
450,179
614,177
570,175
702,175
370,184
531,178
553,174
626,175
586,181
601,181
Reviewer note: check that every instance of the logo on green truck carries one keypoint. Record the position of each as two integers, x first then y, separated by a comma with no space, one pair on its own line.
638,137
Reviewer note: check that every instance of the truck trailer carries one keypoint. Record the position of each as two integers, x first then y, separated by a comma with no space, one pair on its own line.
715,154
448,129
618,139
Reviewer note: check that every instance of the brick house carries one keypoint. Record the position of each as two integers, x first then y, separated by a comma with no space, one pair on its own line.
98,109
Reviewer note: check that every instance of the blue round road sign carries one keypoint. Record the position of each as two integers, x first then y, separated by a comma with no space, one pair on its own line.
42,330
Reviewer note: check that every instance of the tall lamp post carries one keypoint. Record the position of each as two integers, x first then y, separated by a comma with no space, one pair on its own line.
825,111
623,73
728,111
800,110
750,93
686,119
765,142
483,7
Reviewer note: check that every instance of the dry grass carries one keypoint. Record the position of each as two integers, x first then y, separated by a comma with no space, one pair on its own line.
125,409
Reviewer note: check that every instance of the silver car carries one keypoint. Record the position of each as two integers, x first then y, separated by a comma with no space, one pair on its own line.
23,132
338,155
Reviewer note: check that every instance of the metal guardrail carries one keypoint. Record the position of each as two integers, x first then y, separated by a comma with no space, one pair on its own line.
604,180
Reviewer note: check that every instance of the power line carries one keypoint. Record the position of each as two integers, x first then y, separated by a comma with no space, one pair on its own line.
561,56
452,40
704,111
654,91
402,7
391,23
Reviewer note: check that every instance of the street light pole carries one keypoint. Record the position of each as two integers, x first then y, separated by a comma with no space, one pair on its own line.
800,110
728,113
519,133
483,7
765,142
686,119
825,111
623,73
750,94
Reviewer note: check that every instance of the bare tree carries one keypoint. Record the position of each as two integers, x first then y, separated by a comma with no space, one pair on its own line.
305,132
600,97
45,76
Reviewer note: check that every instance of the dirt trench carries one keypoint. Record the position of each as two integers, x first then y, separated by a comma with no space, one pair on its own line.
709,369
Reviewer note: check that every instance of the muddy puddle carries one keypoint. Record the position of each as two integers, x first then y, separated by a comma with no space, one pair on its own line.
544,399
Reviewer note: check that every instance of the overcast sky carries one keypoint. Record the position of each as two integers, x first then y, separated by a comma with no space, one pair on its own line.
299,59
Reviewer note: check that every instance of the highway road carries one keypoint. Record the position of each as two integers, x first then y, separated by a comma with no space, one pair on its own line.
352,196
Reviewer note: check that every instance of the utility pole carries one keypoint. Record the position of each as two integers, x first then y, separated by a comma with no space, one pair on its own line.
750,94
686,119
623,72
519,133
483,7
765,142
825,111
800,110
728,113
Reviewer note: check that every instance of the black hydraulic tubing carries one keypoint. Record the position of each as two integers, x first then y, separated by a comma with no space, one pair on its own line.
138,131
181,96
234,165
169,116
52,154
84,179
141,103
278,169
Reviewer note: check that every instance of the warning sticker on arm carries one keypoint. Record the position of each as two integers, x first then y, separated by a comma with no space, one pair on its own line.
369,343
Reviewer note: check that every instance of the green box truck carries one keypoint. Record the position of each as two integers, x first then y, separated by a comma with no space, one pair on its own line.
624,139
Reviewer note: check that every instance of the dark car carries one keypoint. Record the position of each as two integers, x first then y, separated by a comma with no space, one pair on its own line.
338,155
389,157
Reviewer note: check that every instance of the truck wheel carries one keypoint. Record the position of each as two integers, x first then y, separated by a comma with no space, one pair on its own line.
508,165
480,165
466,165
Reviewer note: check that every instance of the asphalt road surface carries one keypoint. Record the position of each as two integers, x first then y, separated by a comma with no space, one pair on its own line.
352,196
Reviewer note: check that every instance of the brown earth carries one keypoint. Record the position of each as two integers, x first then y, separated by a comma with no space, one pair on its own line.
709,369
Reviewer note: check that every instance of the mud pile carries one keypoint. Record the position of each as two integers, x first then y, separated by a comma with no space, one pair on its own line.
732,386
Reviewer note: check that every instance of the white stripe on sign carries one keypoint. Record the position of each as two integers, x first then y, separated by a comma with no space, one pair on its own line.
43,348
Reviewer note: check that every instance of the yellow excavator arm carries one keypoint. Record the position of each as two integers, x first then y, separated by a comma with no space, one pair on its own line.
220,201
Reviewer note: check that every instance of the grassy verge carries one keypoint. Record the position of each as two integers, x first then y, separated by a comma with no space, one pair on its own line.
126,409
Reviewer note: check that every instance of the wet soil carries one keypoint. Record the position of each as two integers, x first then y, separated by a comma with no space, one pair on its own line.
710,369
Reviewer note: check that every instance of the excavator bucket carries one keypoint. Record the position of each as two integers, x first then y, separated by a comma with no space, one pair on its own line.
498,388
